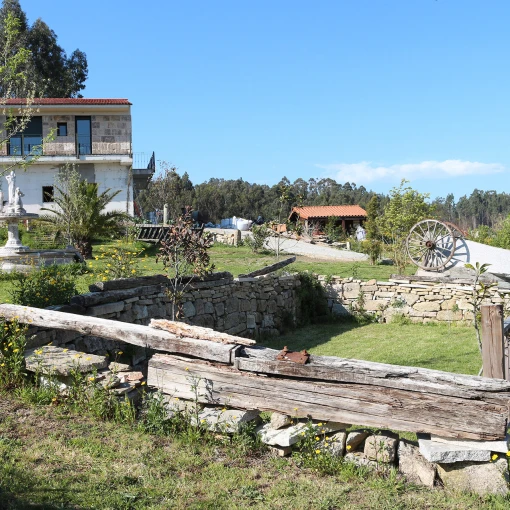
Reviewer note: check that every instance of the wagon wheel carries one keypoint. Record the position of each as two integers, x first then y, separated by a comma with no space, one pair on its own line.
431,245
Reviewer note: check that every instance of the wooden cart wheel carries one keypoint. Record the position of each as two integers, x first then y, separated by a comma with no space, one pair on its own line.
431,245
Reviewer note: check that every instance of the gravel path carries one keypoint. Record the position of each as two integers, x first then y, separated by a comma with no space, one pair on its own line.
315,251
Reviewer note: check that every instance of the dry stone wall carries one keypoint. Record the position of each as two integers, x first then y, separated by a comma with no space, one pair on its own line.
418,299
250,307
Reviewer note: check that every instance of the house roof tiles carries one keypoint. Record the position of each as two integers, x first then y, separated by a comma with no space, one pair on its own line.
324,211
40,101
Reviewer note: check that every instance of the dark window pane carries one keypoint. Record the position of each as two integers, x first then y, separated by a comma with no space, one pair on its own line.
15,146
83,135
62,129
47,192
29,141
34,127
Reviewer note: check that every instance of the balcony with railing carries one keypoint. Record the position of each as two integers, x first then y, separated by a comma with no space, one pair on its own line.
144,166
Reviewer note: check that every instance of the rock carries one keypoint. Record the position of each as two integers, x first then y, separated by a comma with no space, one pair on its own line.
485,478
278,420
278,451
427,306
119,367
493,446
225,420
51,360
334,444
351,290
361,460
414,466
281,437
450,453
382,447
355,438
189,309
130,376
339,309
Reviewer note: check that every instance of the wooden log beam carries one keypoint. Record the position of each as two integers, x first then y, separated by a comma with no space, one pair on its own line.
493,353
269,269
135,334
183,330
366,405
262,360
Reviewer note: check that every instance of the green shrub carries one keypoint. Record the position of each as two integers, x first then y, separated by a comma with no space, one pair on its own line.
116,262
315,450
12,353
373,249
43,287
312,300
259,235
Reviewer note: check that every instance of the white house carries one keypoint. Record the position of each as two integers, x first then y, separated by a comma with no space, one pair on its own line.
95,135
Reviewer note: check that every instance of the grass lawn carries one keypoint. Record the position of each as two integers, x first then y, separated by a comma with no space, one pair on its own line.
438,346
50,459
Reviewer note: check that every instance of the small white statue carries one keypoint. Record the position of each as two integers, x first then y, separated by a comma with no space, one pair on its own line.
11,180
18,204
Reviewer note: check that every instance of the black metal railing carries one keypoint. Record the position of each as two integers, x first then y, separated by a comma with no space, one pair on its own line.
25,145
141,160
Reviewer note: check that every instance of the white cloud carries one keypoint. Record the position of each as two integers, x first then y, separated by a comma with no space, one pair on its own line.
366,172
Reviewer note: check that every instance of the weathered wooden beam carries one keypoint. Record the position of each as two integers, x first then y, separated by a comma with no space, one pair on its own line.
183,330
135,334
493,354
262,360
360,404
269,269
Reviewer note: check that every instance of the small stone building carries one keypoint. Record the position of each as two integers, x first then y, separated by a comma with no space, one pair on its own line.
348,216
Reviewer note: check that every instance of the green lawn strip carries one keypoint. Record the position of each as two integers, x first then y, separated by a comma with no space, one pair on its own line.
438,346
71,461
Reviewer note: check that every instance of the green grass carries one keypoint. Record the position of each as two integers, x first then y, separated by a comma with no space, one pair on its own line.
438,346
51,460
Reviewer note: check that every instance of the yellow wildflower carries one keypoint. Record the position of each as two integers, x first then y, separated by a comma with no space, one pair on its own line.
495,456
317,452
319,424
120,352
143,383
349,447
317,438
15,350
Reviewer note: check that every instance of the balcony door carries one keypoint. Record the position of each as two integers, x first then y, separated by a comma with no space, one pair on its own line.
83,136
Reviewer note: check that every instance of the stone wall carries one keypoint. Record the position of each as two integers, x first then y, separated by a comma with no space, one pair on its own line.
420,299
111,134
229,236
250,307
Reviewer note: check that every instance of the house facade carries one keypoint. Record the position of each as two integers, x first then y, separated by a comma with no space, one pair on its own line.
93,135
349,217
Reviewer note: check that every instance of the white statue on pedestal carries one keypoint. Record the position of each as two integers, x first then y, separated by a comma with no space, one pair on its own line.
11,180
18,204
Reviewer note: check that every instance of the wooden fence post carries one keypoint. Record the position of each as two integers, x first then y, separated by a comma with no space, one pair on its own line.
493,345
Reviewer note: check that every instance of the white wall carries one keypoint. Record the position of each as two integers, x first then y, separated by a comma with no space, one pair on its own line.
107,175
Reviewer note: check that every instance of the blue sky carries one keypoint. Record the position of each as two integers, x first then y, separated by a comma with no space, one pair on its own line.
368,91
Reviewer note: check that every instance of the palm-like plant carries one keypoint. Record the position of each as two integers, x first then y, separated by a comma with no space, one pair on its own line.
80,214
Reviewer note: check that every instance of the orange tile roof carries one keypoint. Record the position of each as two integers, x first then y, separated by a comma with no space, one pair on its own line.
65,100
324,211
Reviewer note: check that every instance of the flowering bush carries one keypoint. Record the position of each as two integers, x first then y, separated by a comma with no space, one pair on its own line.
116,262
45,286
12,353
